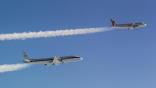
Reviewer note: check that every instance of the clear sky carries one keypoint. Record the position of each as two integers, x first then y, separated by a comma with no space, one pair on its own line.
115,59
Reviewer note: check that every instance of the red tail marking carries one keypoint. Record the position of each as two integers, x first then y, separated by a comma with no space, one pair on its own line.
113,23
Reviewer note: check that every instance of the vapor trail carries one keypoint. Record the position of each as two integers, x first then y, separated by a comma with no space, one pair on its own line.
12,67
45,34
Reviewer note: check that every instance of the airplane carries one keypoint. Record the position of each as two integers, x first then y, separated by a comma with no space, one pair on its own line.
130,26
56,60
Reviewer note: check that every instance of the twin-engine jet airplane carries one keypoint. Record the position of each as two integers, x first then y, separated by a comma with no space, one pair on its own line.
130,26
51,60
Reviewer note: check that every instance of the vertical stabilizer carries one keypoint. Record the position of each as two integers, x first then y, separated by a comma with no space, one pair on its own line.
113,22
26,57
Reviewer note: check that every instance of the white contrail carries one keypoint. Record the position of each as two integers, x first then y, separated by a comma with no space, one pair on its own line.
12,67
40,34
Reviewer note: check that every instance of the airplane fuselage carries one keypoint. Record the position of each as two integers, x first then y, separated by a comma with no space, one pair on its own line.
53,60
130,26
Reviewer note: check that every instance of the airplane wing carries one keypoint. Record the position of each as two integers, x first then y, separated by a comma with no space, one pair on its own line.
56,61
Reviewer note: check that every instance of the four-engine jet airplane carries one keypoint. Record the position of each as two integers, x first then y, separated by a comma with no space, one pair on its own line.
51,60
130,26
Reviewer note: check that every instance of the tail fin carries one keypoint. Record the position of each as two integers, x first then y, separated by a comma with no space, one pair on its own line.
113,23
26,57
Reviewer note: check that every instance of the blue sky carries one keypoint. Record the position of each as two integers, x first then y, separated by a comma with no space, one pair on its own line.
116,59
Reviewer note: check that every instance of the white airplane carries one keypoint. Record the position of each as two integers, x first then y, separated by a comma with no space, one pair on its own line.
130,26
51,60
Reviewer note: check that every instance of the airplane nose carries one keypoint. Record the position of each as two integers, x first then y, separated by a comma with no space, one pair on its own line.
81,58
145,25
